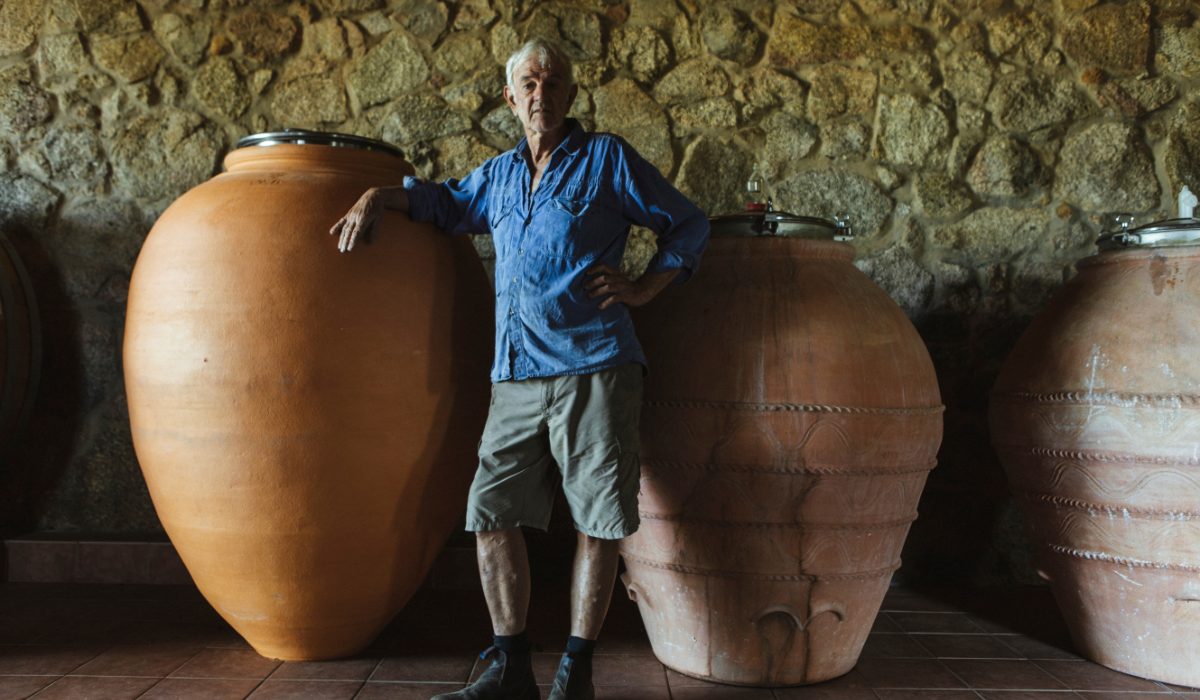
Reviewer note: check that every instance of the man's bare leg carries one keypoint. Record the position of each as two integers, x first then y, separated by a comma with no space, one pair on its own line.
592,582
504,571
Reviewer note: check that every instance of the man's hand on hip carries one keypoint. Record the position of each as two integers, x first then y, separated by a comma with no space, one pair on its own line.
612,282
366,216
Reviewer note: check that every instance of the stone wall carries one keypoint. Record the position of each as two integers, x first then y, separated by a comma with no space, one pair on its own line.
978,144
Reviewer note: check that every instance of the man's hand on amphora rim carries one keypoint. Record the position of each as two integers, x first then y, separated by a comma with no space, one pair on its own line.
611,281
362,221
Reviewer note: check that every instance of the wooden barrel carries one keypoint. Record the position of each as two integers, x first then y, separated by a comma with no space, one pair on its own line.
20,347
306,420
1096,418
791,417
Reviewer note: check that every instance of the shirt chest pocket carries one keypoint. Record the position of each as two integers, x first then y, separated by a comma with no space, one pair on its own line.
501,217
575,228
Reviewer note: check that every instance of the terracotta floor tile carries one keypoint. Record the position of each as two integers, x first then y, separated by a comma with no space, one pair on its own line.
616,669
1003,674
936,623
907,673
33,660
884,625
992,626
337,670
1162,694
1085,675
893,646
21,687
445,641
426,669
678,680
151,661
226,663
1028,694
849,687
1035,649
95,688
404,691
633,692
965,646
719,692
897,694
306,690
201,689
138,633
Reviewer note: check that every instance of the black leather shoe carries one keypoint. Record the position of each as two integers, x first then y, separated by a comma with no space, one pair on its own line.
574,680
508,678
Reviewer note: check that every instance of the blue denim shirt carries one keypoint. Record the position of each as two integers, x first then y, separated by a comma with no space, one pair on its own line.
594,188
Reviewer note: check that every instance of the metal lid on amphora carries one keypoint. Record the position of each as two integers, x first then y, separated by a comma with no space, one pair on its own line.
318,138
760,220
763,221
1184,230
1173,232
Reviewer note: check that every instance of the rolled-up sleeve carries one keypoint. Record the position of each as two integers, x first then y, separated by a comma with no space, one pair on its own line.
653,202
454,206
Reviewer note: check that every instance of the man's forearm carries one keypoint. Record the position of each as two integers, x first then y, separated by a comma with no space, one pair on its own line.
395,198
654,282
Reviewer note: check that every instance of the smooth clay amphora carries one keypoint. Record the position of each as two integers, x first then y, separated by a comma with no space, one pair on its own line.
306,420
791,417
1096,418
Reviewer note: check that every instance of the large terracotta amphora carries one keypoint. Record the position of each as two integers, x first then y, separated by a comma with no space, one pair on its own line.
791,417
306,419
1096,418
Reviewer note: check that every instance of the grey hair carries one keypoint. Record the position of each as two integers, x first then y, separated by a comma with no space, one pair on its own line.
546,52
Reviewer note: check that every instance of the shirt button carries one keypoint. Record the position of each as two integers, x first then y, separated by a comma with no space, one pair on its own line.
514,280
512,313
521,251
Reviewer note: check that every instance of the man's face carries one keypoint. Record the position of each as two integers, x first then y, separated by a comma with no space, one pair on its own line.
541,98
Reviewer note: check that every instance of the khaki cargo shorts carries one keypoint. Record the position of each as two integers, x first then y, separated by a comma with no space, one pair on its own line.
587,424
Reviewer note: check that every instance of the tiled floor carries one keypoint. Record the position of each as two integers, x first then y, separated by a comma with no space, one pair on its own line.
119,642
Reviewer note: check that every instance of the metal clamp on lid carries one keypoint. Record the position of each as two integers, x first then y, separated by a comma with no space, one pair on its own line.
318,138
845,230
1163,233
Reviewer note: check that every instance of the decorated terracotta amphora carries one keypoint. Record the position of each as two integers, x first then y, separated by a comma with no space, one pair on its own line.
1096,419
306,420
791,416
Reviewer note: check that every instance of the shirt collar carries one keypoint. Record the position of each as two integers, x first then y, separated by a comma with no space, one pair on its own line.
571,144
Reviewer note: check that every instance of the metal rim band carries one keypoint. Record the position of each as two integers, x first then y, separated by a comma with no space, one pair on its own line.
719,573
797,471
803,408
302,137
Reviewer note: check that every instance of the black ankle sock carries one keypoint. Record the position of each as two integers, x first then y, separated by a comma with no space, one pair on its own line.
512,644
580,648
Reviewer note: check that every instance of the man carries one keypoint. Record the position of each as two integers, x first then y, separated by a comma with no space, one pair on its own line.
568,369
